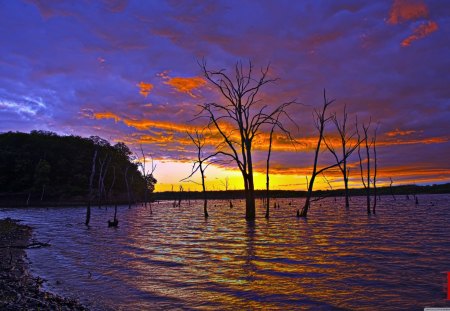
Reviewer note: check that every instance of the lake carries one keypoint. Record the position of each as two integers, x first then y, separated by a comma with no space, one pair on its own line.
337,259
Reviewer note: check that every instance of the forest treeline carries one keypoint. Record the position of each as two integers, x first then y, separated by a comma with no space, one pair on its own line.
43,166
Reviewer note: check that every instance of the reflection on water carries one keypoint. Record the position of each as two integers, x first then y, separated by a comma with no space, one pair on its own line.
175,259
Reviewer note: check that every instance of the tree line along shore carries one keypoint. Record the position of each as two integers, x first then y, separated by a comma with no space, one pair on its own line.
42,168
45,169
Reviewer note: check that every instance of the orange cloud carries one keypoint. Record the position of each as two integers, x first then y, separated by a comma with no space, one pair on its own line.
261,143
398,132
144,124
145,88
186,85
421,31
107,115
426,141
405,10
411,10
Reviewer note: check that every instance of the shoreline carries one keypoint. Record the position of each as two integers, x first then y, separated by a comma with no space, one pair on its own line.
19,289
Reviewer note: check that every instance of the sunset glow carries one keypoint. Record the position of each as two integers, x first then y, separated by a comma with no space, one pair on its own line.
135,77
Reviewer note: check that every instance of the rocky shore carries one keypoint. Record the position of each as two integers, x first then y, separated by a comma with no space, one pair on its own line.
19,290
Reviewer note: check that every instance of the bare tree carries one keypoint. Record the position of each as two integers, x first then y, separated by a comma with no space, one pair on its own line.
91,181
348,146
148,176
110,191
391,190
115,221
226,184
198,138
101,192
269,153
320,120
375,168
239,119
365,139
125,174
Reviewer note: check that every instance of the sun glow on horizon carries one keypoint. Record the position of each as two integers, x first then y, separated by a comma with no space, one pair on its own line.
171,173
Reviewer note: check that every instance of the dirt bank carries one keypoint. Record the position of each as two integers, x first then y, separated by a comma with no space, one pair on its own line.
19,290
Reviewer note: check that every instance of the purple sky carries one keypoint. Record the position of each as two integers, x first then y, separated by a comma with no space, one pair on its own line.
127,70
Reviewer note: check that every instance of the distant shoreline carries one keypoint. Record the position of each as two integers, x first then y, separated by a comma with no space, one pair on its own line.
19,199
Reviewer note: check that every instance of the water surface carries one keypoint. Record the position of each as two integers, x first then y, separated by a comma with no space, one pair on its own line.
175,259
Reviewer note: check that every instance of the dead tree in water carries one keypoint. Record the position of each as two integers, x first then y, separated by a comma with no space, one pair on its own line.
375,167
275,124
267,172
180,196
226,185
127,185
390,189
104,165
198,138
238,120
148,177
115,221
365,139
348,146
91,181
320,120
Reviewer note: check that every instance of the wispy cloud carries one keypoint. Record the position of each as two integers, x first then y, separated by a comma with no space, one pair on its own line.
421,31
26,105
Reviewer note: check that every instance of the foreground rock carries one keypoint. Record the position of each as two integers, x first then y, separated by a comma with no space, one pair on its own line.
18,289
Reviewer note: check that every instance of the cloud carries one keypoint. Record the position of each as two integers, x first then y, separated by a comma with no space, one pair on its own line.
425,141
398,132
407,10
411,10
421,31
186,85
145,88
106,115
23,106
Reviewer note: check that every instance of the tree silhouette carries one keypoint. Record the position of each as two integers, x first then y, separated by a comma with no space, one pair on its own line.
365,139
348,146
198,138
42,176
320,120
240,118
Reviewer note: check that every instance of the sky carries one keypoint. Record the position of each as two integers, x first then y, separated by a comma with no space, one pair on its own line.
129,71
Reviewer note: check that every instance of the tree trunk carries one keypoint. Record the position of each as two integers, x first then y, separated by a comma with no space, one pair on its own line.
304,212
250,212
375,172
268,174
205,200
128,186
42,193
390,189
91,180
88,214
347,201
368,178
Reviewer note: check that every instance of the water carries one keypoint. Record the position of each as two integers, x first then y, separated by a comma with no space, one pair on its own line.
175,259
